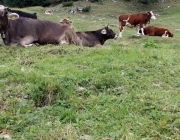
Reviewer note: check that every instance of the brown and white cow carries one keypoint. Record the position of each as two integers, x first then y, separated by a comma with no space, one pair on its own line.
23,31
157,31
93,38
48,12
134,20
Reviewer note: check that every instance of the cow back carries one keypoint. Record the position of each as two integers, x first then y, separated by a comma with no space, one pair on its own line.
24,14
135,19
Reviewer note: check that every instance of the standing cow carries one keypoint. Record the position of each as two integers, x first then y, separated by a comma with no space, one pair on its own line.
26,31
134,20
157,31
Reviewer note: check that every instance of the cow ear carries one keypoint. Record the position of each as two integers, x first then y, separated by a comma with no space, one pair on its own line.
2,7
103,31
13,16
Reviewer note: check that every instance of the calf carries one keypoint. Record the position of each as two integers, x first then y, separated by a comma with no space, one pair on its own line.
25,31
23,14
134,20
157,31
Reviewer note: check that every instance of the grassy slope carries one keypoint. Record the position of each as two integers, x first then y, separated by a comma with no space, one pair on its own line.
129,89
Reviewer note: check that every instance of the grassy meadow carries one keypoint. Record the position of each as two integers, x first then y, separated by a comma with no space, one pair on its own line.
129,89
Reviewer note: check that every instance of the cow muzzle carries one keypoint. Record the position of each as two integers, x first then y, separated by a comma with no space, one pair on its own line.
116,36
153,17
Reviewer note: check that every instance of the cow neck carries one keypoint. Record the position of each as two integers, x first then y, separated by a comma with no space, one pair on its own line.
5,30
99,36
5,26
149,18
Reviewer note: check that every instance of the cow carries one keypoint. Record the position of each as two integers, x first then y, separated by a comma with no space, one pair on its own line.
23,14
23,31
48,12
157,31
70,36
135,20
87,38
68,22
91,38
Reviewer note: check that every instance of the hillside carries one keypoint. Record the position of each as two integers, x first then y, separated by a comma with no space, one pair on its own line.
128,89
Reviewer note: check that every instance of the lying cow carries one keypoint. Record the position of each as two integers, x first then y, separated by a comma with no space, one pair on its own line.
135,20
25,31
95,38
48,12
157,31
23,14
91,38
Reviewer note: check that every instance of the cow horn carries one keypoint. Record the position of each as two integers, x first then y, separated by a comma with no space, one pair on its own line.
107,25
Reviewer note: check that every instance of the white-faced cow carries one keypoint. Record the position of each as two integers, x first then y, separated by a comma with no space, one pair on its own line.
157,31
26,31
23,14
134,20
94,38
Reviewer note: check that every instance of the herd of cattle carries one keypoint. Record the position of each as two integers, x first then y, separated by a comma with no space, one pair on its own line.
24,29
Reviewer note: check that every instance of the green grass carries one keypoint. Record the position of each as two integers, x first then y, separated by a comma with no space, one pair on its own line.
128,89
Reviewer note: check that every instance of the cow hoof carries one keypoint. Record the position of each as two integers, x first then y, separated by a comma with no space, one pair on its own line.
26,46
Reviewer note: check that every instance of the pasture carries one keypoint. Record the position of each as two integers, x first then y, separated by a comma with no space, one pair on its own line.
128,89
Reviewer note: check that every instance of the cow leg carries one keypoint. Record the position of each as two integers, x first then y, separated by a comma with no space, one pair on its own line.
120,32
142,31
138,31
26,41
121,27
164,35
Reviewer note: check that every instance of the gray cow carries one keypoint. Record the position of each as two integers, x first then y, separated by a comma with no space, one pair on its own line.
23,31
95,38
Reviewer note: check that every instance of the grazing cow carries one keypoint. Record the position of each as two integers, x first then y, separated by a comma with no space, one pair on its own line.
48,12
23,14
157,31
92,38
134,20
23,31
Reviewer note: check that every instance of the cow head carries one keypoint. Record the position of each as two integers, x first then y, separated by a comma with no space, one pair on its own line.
5,15
151,15
65,21
68,22
108,33
167,34
170,34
